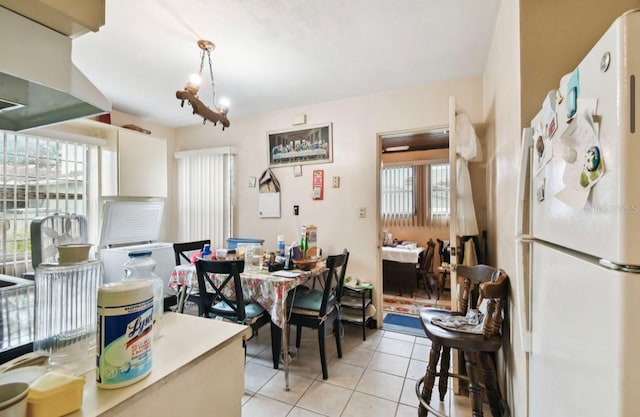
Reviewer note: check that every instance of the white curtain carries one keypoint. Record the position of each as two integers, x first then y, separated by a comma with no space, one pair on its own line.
468,149
205,195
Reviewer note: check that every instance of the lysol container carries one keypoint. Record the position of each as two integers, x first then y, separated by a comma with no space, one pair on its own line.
141,266
124,338
65,313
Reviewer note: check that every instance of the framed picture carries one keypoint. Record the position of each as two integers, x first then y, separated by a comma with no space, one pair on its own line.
300,146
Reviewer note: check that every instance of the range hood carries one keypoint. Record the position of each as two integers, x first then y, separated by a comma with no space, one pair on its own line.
39,85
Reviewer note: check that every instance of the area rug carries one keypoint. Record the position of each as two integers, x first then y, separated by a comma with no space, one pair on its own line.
411,307
403,324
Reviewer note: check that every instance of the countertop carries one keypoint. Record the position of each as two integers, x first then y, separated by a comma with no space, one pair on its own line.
185,341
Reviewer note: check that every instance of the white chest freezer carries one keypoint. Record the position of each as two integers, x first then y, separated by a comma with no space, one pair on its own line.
133,226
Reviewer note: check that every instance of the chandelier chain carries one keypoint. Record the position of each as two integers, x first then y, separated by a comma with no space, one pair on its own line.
213,87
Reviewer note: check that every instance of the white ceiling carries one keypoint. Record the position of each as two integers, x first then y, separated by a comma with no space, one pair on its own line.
275,54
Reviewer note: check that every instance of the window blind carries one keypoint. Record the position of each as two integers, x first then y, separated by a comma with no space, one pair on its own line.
205,195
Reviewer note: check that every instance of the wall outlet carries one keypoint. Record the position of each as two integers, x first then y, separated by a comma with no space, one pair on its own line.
363,212
296,210
336,182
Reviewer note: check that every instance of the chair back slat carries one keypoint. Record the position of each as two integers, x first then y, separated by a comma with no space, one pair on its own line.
493,287
334,281
427,260
233,269
181,250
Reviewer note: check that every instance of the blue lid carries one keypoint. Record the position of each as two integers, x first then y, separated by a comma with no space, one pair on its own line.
139,254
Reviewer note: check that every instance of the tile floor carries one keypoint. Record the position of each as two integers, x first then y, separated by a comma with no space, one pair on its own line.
374,378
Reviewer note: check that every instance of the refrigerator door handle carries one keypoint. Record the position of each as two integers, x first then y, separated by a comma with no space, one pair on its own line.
527,140
522,289
523,243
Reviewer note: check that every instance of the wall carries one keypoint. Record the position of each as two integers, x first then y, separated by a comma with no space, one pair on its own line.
535,42
356,124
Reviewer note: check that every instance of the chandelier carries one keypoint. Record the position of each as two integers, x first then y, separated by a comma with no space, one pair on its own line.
215,113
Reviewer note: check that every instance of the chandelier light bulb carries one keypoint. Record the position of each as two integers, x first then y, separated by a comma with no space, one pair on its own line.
193,85
195,79
224,105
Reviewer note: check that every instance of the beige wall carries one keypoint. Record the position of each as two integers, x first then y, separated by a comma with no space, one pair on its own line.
356,124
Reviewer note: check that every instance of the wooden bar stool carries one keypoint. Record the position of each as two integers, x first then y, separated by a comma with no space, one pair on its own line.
478,348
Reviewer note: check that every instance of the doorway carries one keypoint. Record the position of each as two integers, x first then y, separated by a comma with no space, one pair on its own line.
414,209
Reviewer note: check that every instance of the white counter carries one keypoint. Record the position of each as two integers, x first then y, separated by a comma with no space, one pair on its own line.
198,365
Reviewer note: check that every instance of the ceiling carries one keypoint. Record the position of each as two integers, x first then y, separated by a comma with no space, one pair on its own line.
277,54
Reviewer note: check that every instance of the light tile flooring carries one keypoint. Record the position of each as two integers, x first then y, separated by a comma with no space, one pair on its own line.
374,378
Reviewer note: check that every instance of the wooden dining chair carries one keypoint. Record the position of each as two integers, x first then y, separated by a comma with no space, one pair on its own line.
440,278
480,282
227,299
313,308
424,273
184,250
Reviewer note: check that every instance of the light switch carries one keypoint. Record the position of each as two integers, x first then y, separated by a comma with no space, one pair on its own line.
336,182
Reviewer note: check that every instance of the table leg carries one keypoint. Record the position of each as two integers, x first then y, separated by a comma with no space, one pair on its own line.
285,353
182,295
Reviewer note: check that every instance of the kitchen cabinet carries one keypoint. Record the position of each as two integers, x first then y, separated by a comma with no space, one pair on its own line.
133,165
69,18
354,303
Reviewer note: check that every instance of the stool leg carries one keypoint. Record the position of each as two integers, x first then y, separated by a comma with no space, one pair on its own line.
491,382
429,377
444,372
475,392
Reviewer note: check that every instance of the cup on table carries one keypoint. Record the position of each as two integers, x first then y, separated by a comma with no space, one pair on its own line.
221,254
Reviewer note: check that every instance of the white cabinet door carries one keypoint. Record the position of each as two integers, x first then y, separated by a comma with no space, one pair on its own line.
142,165
134,165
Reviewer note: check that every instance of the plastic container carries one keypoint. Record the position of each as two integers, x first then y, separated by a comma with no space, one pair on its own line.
232,242
281,245
13,399
141,266
54,394
125,314
206,252
65,312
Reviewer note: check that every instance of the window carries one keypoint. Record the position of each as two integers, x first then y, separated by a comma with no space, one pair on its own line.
439,189
39,177
398,191
206,195
415,195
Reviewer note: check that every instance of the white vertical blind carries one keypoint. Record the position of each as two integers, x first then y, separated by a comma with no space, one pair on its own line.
205,195
440,188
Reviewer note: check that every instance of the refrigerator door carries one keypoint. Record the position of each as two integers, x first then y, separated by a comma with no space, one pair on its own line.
606,226
585,337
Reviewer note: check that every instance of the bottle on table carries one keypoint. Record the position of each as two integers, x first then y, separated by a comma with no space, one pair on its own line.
281,245
141,266
206,252
304,242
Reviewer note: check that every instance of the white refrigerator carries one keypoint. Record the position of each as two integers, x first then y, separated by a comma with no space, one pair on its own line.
577,278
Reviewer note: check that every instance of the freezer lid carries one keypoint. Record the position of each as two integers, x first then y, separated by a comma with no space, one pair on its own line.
127,222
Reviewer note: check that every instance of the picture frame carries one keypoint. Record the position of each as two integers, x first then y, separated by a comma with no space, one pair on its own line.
300,146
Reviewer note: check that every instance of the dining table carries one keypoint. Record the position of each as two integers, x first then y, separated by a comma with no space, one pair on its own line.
399,265
269,289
